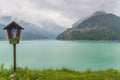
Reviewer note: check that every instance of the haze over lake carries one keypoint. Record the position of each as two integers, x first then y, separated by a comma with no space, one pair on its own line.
77,55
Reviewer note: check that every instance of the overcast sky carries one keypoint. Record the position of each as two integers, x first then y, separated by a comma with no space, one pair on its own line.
63,12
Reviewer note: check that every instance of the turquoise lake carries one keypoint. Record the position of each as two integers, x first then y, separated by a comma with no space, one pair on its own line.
76,55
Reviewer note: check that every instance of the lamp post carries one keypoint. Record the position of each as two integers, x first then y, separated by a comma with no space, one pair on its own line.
14,32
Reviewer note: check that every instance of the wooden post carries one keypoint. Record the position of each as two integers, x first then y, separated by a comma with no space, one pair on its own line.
14,50
13,31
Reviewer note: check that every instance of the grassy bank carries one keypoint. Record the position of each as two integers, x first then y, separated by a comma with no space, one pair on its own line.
61,74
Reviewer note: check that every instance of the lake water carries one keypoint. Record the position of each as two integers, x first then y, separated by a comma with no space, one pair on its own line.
77,55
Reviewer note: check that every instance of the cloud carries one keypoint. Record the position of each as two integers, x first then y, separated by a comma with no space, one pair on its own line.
63,12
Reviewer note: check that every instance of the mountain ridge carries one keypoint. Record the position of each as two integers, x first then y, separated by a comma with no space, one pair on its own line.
83,19
32,31
100,27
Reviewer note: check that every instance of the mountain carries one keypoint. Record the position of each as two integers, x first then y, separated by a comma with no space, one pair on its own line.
100,26
51,29
97,13
3,34
32,31
94,14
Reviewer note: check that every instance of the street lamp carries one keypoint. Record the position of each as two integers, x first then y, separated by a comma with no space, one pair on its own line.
14,32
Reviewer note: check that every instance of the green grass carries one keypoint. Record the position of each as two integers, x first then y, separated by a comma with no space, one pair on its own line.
59,74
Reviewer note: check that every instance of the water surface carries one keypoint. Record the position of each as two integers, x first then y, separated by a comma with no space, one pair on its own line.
77,55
